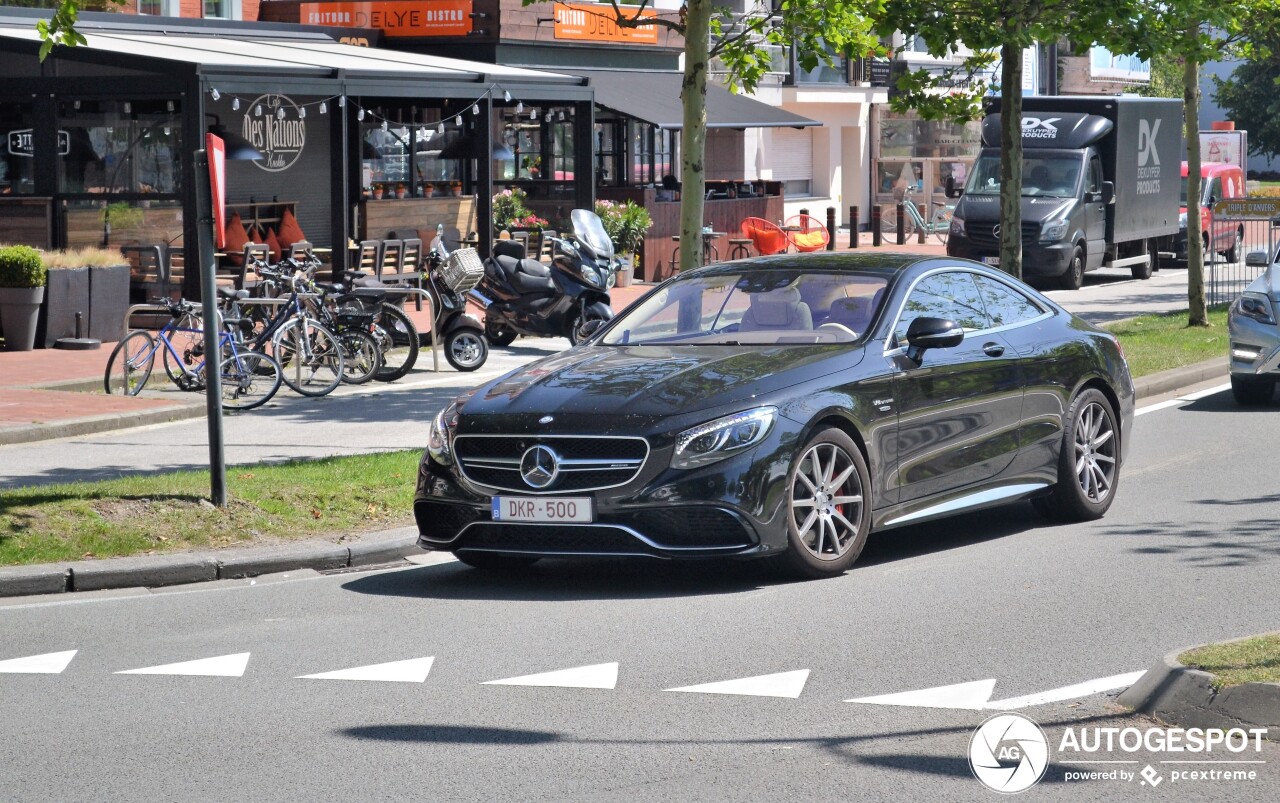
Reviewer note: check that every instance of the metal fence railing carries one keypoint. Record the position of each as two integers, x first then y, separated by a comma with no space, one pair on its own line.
1239,227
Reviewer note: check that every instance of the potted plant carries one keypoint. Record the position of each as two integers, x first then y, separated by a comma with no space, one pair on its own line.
455,188
22,279
92,283
428,190
626,224
377,192
400,190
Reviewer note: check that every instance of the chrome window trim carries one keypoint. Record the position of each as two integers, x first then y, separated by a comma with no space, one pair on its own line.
893,351
527,491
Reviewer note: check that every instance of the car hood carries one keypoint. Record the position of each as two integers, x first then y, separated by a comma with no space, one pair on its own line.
1267,283
647,382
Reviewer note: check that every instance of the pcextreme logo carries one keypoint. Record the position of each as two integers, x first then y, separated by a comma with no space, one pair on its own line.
1010,753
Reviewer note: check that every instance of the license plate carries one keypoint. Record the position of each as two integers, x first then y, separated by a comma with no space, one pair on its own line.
991,261
560,510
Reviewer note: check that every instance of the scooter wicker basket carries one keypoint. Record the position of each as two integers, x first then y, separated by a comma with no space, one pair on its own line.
463,270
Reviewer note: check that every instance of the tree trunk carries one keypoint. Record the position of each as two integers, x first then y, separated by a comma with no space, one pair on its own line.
1011,159
1197,312
693,137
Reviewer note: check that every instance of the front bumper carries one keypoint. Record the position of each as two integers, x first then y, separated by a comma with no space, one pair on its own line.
1254,347
1038,259
729,508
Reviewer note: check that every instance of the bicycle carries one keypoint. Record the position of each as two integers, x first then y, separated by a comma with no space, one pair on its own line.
939,224
249,378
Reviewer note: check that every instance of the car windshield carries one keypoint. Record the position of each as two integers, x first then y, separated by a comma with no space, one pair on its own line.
1042,176
754,307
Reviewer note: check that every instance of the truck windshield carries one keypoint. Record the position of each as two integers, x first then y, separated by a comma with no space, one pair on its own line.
1042,176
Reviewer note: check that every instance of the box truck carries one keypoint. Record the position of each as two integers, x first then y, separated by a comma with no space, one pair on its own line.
1100,186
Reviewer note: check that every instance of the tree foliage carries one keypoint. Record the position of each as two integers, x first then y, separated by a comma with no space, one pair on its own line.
1251,97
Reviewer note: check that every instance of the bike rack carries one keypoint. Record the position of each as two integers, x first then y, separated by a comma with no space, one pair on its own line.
274,302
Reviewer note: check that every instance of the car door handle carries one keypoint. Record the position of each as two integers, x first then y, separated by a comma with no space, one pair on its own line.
993,349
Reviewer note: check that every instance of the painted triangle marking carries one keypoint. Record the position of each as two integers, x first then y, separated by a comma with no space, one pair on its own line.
1068,692
781,684
50,663
414,670
596,676
228,666
971,696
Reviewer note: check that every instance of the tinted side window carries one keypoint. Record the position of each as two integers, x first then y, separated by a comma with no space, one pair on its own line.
1095,176
1005,305
951,295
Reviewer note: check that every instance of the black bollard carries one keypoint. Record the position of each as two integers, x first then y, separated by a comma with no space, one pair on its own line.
902,225
877,218
920,229
853,227
831,228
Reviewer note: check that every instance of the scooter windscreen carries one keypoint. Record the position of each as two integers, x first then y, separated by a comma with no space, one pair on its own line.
590,232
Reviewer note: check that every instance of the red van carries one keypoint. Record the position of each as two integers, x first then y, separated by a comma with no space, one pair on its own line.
1218,182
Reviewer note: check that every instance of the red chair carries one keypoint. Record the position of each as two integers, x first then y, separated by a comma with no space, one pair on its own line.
768,238
807,234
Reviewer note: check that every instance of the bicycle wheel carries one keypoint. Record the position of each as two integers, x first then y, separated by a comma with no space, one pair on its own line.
310,357
940,226
361,356
188,344
889,221
249,380
398,338
130,364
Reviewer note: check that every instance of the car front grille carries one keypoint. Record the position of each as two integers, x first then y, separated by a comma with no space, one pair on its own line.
585,463
689,527
588,539
983,235
441,521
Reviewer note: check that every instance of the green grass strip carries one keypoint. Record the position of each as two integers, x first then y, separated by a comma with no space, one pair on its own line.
154,513
1154,343
1254,660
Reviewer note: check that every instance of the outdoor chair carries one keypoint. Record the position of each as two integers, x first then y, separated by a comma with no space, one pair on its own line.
409,269
766,237
806,233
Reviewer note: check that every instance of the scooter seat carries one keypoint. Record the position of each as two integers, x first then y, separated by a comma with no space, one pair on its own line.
526,276
527,285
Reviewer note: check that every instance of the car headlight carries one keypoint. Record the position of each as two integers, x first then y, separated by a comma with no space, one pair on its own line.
589,275
716,440
438,436
957,226
1257,307
1054,230
1182,221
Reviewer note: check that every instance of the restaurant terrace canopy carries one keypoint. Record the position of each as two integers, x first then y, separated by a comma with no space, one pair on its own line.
103,134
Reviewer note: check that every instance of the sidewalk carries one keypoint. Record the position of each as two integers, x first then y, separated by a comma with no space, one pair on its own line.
51,393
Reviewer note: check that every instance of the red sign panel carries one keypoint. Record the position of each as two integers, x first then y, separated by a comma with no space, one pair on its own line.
216,150
598,22
415,19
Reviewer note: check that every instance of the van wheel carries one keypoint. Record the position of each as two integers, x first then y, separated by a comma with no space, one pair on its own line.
1145,269
1073,279
1233,253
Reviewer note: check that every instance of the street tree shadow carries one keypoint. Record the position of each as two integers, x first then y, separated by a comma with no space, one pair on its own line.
1212,544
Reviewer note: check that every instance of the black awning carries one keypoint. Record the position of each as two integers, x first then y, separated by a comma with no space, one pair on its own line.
654,96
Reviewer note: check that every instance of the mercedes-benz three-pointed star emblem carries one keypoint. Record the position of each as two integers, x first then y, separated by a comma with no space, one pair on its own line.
540,466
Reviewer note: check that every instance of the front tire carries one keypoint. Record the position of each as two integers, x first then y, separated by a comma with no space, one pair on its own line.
1089,463
1144,270
498,333
1233,253
1073,279
828,506
465,349
398,339
130,364
1252,392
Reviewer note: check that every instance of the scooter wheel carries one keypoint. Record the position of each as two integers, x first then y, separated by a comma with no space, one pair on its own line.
498,334
465,349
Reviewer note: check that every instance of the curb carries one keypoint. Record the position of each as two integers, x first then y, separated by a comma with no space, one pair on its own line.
152,571
100,423
1175,693
1178,378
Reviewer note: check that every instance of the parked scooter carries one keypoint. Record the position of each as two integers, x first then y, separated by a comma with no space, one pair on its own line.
462,333
521,296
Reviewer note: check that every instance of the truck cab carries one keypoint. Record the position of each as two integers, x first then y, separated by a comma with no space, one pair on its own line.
1219,181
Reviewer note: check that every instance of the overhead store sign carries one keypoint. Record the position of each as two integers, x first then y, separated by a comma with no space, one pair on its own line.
21,143
1248,208
597,22
395,18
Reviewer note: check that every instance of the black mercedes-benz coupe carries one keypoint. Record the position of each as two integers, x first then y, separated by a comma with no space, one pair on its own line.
785,405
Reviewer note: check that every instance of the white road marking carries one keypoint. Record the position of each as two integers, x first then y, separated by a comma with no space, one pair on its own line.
228,666
50,663
596,676
1067,692
971,696
413,670
782,684
1190,397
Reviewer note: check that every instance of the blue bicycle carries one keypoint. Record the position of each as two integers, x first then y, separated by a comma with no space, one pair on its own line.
249,378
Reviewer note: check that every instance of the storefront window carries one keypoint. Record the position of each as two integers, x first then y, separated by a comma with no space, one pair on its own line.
17,162
562,148
835,73
410,153
218,9
130,147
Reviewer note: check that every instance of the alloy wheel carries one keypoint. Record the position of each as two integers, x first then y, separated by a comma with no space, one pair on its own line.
1095,445
826,501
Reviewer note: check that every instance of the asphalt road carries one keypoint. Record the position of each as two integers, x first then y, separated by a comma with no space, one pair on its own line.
1187,554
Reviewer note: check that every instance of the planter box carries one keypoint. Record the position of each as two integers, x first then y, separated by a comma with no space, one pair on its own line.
108,302
19,313
66,293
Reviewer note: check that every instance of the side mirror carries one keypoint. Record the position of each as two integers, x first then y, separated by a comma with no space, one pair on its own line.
589,328
932,333
1256,259
1108,192
952,190
1213,199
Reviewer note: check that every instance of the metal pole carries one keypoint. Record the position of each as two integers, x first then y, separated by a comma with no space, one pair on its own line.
212,352
853,227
